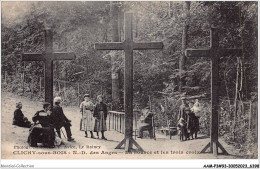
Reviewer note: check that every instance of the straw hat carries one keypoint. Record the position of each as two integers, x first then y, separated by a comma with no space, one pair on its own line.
86,95
57,100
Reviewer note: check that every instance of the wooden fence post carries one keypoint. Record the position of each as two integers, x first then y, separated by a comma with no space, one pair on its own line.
40,84
256,119
5,77
109,119
150,103
64,90
59,87
22,77
250,116
78,95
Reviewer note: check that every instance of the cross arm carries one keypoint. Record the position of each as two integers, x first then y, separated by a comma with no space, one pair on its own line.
109,46
150,45
32,57
63,56
229,51
210,52
198,52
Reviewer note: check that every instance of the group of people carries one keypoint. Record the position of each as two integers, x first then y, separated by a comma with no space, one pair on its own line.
49,121
188,120
45,123
93,117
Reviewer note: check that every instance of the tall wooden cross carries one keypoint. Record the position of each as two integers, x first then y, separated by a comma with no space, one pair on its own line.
128,46
214,52
48,56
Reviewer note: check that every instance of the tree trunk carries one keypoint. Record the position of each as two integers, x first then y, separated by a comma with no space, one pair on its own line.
240,92
170,10
184,45
235,99
237,88
115,17
225,81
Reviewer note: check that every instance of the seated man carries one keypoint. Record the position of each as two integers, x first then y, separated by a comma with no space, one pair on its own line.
19,118
42,131
60,120
147,123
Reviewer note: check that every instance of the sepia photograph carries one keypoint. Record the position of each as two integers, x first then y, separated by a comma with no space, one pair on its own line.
130,80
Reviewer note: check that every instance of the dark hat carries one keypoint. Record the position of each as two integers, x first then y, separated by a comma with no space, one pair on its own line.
100,96
18,104
45,104
57,100
183,98
86,95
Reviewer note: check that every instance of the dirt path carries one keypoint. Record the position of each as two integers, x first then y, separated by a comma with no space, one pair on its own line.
14,145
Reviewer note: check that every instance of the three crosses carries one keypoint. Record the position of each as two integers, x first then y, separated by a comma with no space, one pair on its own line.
128,46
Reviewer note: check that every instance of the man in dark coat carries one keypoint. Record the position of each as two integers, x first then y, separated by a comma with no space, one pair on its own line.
60,120
19,118
183,116
42,131
147,123
184,110
191,124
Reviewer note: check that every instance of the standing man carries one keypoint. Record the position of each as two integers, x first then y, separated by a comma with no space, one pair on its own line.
60,120
183,118
100,115
184,110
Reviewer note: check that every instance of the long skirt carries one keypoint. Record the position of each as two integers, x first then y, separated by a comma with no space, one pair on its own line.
24,123
45,135
87,121
100,124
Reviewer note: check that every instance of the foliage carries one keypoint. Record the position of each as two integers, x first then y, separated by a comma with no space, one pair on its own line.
78,25
235,128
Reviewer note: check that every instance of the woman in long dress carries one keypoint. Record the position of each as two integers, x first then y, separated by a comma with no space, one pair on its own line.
100,114
86,108
196,110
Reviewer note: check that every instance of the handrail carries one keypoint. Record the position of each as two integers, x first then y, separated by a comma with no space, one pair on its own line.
116,112
116,121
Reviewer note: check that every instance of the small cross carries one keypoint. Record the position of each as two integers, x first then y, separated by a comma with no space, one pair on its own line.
48,57
128,46
214,52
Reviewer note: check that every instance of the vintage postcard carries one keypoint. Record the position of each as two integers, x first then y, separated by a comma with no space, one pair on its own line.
130,80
